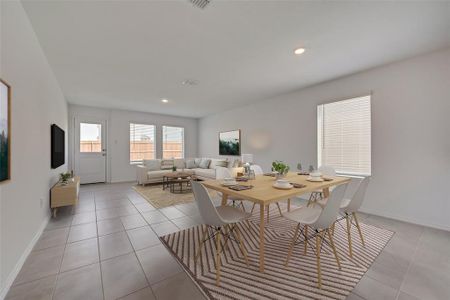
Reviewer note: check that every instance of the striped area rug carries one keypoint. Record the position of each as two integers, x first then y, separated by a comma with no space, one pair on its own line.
297,281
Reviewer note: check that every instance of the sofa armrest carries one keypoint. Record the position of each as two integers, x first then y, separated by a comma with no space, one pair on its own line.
141,174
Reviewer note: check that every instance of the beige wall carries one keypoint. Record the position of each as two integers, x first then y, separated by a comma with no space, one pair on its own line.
410,134
37,102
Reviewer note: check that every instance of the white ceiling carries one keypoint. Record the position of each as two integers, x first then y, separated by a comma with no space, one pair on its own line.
129,55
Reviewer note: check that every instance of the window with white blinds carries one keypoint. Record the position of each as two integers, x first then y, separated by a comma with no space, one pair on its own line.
142,142
173,142
344,136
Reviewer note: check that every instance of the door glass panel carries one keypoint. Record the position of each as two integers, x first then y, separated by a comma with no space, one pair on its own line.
90,138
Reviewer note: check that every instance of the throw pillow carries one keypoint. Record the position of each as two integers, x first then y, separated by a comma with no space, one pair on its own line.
222,163
153,164
166,164
204,163
190,164
237,163
179,163
197,162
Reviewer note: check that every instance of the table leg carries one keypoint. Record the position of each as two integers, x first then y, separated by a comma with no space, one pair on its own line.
326,192
261,237
289,204
224,199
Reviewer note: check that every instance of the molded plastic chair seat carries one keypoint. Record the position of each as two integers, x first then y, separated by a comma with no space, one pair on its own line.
231,214
304,215
345,203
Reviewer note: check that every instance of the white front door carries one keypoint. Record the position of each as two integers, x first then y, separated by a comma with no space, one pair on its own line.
90,150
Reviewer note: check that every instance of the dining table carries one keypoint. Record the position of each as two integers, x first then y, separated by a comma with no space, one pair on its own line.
263,192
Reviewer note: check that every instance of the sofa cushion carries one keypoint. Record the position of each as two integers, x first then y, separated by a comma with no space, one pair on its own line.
179,163
204,163
152,164
190,164
208,173
166,164
156,174
218,163
197,162
189,171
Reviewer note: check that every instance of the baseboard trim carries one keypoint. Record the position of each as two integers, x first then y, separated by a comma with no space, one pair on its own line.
404,219
12,276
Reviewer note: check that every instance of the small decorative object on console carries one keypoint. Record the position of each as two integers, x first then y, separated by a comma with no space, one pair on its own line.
64,178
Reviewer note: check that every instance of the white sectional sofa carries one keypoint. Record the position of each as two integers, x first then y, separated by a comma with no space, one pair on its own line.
153,170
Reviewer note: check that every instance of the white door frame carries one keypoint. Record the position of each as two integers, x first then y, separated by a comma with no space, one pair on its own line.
75,139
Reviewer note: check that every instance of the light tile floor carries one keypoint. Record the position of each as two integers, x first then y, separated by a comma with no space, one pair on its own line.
108,248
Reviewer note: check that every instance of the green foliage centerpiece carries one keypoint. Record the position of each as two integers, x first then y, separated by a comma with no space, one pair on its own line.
281,168
64,178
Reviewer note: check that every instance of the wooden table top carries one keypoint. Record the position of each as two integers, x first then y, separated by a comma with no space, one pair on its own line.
263,191
178,174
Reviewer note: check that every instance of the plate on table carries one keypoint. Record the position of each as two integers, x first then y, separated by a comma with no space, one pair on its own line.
314,179
283,187
327,178
228,183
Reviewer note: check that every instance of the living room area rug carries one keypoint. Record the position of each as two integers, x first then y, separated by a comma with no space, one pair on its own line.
159,198
297,281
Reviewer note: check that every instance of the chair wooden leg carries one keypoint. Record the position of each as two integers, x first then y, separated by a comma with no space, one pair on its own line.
289,205
291,248
253,207
199,250
241,246
330,237
267,208
243,206
333,227
218,250
359,228
311,199
279,209
226,237
319,237
349,236
306,240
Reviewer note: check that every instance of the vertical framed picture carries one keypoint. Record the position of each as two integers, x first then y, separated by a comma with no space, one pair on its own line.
230,142
5,131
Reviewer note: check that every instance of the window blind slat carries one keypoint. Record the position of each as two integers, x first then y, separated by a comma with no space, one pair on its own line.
173,142
142,142
344,135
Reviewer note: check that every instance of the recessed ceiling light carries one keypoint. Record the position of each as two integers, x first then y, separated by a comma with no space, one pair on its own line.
189,82
164,100
299,51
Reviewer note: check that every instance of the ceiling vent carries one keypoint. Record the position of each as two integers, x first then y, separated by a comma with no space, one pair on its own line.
200,3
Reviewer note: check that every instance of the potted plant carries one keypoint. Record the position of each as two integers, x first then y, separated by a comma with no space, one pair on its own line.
174,169
281,168
64,178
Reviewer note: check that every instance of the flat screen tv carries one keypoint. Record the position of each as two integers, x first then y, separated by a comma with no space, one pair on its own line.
58,146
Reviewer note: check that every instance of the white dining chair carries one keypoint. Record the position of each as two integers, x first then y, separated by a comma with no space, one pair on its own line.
321,222
220,223
318,195
348,209
222,173
259,171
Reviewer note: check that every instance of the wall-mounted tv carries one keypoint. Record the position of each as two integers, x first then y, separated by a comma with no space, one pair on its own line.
58,146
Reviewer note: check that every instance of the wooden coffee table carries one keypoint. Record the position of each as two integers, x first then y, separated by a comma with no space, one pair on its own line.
177,182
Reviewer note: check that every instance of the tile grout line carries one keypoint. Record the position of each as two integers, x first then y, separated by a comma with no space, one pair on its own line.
409,265
135,254
60,264
98,248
